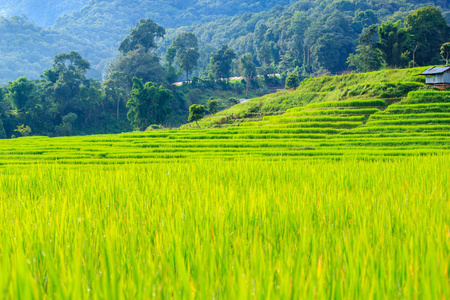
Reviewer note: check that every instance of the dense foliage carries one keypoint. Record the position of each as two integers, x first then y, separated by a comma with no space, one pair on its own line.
285,37
312,36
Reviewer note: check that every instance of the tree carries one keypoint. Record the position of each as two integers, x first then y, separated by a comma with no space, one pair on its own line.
140,64
213,106
149,104
2,112
186,45
392,43
116,88
292,81
67,124
65,80
171,72
143,35
196,113
23,130
428,30
368,57
20,92
71,62
247,69
445,52
220,63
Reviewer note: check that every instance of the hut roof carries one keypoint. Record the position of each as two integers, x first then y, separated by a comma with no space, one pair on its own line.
436,70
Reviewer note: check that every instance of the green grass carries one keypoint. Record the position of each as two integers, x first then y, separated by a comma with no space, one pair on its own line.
344,196
427,97
244,229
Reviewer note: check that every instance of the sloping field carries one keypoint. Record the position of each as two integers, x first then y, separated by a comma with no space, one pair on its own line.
328,130
344,196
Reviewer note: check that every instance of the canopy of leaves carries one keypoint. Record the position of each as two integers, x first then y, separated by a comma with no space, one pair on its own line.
313,36
149,104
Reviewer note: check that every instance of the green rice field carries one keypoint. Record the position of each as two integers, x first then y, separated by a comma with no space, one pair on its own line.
240,229
338,198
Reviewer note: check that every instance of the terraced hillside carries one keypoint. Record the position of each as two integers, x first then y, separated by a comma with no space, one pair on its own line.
256,209
344,116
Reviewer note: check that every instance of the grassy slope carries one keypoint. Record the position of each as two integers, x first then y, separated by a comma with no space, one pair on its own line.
391,85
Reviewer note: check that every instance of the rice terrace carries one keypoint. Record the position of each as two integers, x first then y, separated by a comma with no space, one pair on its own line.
336,190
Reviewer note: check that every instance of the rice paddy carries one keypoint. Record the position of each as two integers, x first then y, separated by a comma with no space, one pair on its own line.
340,198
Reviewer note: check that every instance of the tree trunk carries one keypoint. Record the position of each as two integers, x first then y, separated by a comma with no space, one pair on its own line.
118,104
414,56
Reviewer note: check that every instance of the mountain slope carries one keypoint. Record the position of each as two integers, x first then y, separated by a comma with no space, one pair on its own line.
301,34
27,49
43,12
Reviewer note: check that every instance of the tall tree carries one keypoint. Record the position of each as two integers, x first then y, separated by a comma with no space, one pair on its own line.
20,92
392,43
116,90
247,69
428,30
187,55
221,62
66,79
196,113
149,104
2,115
445,52
368,57
143,35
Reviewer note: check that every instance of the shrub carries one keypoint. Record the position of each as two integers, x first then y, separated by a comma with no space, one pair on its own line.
292,81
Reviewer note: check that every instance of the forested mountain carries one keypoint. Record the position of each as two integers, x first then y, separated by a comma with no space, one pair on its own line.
43,12
96,30
318,35
26,49
286,37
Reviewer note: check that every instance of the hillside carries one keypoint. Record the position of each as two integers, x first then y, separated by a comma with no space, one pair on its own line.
43,12
371,115
27,49
337,190
95,30
300,36
293,36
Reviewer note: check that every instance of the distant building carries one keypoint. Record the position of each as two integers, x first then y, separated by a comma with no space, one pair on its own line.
438,76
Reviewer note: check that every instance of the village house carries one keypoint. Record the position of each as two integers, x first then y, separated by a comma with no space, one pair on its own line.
438,76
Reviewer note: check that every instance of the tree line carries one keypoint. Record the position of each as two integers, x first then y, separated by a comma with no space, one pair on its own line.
137,93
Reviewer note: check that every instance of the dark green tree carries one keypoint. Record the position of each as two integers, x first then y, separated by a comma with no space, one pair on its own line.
116,89
196,113
292,81
2,115
368,57
221,63
172,74
65,80
149,104
213,106
143,35
392,44
20,92
428,30
247,69
140,64
187,55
